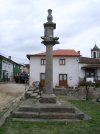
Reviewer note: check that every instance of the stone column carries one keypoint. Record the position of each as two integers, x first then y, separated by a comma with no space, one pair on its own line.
49,41
49,71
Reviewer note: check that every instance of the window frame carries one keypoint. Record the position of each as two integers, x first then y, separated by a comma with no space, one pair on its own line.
94,54
41,76
62,62
90,73
43,61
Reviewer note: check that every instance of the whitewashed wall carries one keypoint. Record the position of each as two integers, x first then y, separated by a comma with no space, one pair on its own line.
81,71
36,68
98,73
8,67
71,68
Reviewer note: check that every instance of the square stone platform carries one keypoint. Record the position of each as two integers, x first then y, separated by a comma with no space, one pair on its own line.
48,98
34,110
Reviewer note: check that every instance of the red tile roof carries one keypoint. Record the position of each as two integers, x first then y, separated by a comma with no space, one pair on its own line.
59,52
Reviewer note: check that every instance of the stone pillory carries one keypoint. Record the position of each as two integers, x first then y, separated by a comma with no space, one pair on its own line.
49,41
48,106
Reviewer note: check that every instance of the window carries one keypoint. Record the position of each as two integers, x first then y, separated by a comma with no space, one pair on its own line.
61,61
42,76
94,54
90,73
43,61
62,76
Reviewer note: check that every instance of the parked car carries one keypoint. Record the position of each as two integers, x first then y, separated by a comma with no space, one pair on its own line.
98,99
21,78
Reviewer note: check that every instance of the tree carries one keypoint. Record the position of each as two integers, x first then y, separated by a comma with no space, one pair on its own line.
87,86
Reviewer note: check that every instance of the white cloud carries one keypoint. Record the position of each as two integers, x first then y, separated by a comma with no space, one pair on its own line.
21,25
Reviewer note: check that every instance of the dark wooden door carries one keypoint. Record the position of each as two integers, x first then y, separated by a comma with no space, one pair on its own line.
63,80
42,79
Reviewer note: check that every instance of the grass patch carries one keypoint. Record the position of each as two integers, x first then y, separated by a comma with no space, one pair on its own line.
89,107
82,127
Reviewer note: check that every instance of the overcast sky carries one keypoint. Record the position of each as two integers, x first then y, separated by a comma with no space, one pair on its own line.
21,26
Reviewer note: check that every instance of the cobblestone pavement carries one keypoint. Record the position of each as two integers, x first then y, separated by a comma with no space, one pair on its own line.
8,93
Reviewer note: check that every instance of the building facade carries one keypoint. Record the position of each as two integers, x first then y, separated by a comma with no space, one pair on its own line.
8,69
65,68
69,68
89,69
95,52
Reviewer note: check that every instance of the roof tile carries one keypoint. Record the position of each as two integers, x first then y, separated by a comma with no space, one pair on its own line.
59,52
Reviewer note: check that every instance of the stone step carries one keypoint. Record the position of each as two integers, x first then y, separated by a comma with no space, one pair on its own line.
48,115
47,108
44,120
19,114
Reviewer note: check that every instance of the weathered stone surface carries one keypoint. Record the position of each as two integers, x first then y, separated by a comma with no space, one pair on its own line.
49,17
47,108
48,98
49,71
48,115
60,90
49,41
58,110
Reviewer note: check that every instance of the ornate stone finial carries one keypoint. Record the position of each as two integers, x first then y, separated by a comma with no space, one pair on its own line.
49,17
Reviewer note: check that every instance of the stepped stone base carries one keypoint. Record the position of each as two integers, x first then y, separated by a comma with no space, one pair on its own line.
48,98
48,115
52,111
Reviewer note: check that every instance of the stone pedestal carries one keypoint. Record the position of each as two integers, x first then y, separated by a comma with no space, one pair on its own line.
58,111
48,98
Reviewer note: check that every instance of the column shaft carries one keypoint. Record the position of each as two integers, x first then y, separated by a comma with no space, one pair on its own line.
49,70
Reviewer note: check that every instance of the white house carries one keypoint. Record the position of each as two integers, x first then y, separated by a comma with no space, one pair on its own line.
69,68
7,70
65,67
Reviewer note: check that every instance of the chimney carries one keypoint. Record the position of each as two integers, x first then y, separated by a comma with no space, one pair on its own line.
9,57
78,52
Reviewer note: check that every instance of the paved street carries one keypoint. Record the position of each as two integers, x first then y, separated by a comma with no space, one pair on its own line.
9,92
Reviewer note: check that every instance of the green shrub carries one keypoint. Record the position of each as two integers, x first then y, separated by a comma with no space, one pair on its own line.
87,86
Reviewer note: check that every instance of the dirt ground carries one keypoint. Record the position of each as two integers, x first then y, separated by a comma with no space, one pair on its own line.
9,92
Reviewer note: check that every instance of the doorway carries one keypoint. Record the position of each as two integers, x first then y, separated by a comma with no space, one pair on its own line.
63,80
42,79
